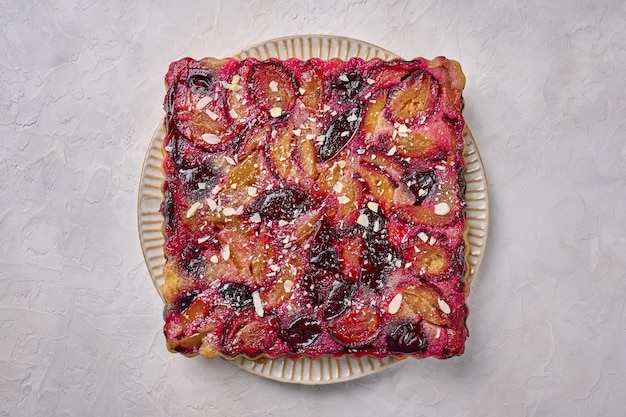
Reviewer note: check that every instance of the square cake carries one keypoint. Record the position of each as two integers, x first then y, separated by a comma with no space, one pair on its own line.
314,208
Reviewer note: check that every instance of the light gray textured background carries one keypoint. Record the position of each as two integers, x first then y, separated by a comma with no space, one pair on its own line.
81,86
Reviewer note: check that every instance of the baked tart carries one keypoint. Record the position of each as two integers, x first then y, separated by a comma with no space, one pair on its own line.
314,208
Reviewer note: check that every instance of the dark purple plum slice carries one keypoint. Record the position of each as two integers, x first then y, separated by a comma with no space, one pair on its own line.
421,184
202,82
407,338
237,295
302,332
323,254
339,299
349,85
279,204
338,133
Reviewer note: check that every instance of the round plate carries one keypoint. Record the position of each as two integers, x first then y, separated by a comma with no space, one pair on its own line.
325,370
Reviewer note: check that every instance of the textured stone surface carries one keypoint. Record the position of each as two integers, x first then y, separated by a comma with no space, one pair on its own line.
546,101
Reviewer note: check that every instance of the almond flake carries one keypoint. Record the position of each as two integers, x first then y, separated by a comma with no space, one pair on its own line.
201,185
236,79
441,209
432,240
212,115
253,191
212,204
392,151
297,132
288,285
376,226
233,114
344,133
192,210
202,103
273,86
216,189
301,90
352,118
211,139
342,164
203,239
370,81
282,223
344,78
443,306
421,192
343,200
230,160
275,267
310,136
423,236
372,205
258,307
169,148
395,304
255,218
229,211
214,259
225,252
338,187
231,87
402,128
276,112
363,220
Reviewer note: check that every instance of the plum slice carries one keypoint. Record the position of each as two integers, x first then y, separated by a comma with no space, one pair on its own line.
191,260
248,334
302,332
338,133
372,118
323,254
389,74
245,173
351,253
413,100
421,184
424,300
349,85
202,82
407,338
311,80
357,327
430,261
434,140
272,85
237,295
280,204
339,299
380,184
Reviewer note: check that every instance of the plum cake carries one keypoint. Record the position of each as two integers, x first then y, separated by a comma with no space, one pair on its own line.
314,208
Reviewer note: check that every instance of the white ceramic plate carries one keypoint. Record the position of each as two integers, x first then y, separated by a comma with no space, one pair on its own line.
304,370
